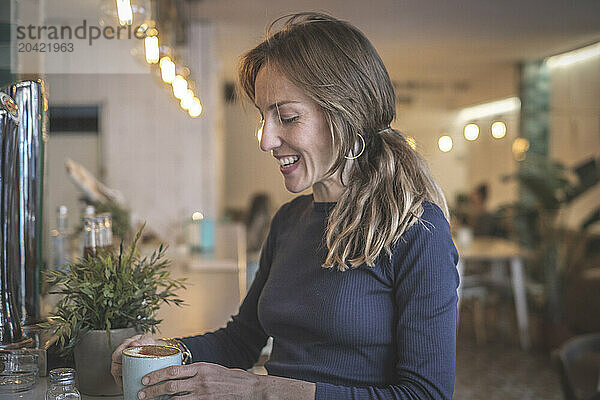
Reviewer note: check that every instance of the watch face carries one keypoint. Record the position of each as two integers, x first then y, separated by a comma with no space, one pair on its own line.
9,105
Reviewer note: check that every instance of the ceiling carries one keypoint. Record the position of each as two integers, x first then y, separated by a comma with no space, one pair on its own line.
448,52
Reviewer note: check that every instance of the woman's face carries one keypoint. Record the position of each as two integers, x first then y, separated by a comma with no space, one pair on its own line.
295,131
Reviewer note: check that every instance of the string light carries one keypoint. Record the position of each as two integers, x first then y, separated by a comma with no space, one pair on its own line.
152,52
180,86
197,216
471,131
498,130
187,100
520,147
124,12
445,143
168,72
196,108
167,69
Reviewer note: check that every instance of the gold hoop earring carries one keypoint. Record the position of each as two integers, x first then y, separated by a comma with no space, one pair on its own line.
361,151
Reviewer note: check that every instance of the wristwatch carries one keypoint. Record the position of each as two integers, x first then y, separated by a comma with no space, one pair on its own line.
187,354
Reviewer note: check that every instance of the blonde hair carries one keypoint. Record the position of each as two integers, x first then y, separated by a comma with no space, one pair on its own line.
337,67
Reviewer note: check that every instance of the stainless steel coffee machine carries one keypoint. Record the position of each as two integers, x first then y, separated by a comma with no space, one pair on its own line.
23,134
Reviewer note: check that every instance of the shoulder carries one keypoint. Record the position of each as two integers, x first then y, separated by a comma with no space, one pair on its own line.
430,225
433,218
427,243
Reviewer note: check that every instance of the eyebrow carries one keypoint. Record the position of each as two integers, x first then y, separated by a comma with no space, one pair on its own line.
278,104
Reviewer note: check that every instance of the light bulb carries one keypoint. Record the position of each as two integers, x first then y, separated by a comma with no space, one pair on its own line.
152,53
124,12
187,100
167,70
196,108
471,132
179,86
445,143
519,148
197,216
498,130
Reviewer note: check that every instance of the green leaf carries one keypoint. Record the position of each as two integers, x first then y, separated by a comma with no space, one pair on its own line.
115,289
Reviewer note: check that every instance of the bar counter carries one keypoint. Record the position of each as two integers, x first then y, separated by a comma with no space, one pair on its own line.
214,290
39,393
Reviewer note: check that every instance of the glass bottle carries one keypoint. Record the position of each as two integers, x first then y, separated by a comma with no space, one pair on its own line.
88,212
61,385
90,231
101,233
108,238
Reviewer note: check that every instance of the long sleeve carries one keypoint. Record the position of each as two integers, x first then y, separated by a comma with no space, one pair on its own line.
425,283
237,345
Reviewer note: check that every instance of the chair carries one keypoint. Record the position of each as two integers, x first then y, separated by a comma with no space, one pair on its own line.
475,288
579,367
470,289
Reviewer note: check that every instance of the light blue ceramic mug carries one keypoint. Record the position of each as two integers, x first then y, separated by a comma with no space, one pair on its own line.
139,361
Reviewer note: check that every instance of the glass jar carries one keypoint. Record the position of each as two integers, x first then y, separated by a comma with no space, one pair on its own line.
90,237
18,370
62,386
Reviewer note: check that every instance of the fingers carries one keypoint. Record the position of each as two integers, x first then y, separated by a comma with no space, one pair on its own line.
137,340
116,355
198,381
173,372
117,372
185,397
183,386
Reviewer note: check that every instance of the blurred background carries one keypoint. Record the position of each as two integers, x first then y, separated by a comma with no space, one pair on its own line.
502,98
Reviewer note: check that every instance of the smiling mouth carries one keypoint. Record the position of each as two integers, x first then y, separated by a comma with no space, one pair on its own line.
286,162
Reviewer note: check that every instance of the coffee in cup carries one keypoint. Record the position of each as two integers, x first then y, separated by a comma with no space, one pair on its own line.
139,361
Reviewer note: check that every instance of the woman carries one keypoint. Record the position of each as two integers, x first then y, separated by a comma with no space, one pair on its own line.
357,282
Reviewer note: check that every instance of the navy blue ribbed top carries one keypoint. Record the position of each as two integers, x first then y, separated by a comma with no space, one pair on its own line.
382,332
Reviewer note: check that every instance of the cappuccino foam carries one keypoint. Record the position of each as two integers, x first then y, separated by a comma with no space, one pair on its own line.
151,351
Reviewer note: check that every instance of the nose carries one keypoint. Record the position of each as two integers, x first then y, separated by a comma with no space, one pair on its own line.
268,137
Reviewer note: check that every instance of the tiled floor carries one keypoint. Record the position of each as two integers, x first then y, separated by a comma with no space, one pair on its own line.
498,369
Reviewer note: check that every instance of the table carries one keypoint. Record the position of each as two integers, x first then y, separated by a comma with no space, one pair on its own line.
213,295
499,253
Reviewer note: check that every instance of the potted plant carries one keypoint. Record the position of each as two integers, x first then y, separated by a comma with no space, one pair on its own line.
548,188
106,299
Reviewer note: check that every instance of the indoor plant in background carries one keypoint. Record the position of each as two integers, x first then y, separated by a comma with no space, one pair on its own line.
561,254
106,299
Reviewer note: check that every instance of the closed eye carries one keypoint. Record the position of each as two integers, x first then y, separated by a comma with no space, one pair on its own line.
289,120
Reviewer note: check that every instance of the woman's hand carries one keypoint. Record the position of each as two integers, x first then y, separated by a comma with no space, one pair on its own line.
116,364
202,381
